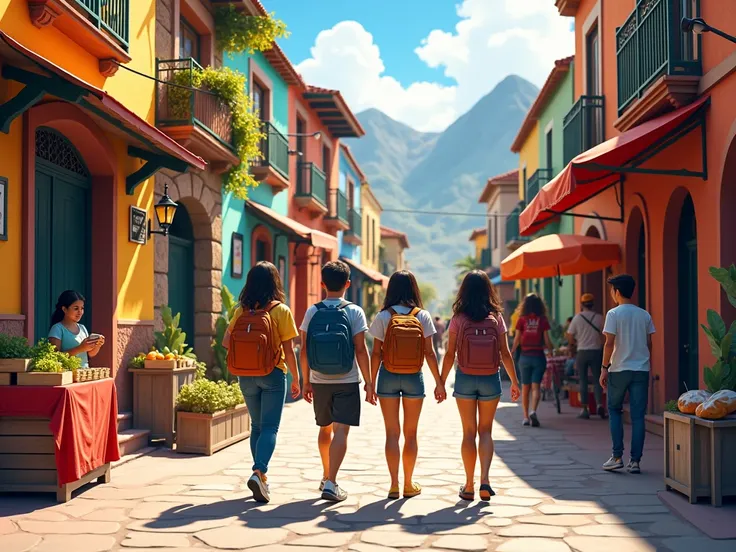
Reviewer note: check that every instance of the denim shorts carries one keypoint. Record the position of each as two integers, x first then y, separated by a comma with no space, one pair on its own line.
532,368
394,386
480,388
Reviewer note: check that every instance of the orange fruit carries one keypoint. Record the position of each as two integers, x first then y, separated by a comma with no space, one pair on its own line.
160,356
151,355
170,356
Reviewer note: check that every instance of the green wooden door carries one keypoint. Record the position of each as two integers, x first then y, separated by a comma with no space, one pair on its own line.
689,372
181,271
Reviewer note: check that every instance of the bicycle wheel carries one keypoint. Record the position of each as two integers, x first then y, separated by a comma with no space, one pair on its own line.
556,390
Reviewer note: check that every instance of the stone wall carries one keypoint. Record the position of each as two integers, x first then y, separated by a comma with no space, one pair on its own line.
12,324
134,336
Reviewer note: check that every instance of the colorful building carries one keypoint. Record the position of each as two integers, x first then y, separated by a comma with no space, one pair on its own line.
391,256
663,185
481,252
371,249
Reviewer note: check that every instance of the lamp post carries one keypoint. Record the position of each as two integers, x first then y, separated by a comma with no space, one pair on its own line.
698,26
316,135
165,210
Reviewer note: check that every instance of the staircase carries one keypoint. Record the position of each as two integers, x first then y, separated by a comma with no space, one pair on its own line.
130,440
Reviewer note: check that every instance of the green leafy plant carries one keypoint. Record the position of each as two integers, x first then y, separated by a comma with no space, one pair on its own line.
671,406
207,397
138,361
172,339
239,32
722,375
200,370
45,358
14,347
229,305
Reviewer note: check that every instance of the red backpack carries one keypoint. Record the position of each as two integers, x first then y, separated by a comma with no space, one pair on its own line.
253,350
478,352
532,338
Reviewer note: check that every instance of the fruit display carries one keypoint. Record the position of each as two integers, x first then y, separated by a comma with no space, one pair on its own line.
165,358
690,400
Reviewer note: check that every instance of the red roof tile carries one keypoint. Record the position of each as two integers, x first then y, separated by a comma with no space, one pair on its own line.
511,177
387,232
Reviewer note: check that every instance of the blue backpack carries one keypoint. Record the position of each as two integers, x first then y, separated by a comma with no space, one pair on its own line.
330,348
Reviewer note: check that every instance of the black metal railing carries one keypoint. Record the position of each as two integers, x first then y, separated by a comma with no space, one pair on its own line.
651,43
112,16
177,105
311,182
275,150
512,225
535,183
485,258
355,221
584,126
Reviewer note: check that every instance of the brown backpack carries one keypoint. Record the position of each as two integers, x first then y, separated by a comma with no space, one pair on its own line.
254,351
478,346
403,346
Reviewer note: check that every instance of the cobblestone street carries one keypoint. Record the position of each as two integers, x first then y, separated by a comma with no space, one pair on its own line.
552,496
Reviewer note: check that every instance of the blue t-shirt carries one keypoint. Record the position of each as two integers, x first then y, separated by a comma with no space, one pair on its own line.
70,340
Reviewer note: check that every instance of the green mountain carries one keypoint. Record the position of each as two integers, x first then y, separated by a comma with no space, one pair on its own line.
415,171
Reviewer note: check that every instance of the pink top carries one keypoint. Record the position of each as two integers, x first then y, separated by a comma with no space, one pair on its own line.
459,318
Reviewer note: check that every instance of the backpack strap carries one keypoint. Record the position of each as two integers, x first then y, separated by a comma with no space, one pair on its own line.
343,304
320,305
272,305
590,322
415,311
392,311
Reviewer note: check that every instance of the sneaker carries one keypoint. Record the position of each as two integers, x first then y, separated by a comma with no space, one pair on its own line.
633,467
322,484
259,488
534,419
613,464
602,412
526,422
584,415
333,493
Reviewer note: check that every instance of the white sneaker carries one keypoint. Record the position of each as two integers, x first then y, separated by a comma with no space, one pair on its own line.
259,489
333,492
613,464
633,467
322,484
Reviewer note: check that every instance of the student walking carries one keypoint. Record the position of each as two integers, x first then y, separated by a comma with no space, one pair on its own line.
403,335
333,332
67,334
586,335
260,344
532,336
478,336
626,363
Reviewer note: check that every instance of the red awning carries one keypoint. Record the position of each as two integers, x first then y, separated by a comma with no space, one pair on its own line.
594,170
292,228
369,273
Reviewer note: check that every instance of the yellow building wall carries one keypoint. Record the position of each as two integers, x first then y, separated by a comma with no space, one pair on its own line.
369,255
135,262
481,243
529,158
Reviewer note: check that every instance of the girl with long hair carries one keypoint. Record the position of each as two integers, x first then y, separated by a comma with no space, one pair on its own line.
397,390
478,336
531,337
265,395
67,334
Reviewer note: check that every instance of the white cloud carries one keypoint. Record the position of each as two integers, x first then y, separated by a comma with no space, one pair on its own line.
493,39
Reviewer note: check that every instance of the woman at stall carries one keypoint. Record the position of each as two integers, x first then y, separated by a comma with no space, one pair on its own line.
67,334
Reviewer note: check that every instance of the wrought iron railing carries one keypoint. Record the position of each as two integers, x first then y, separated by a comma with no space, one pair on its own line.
535,183
512,225
178,105
651,43
356,223
339,206
583,126
112,16
311,182
275,150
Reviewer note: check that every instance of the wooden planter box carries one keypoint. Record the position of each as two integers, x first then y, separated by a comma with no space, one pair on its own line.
48,379
5,379
208,433
154,399
14,365
168,364
698,456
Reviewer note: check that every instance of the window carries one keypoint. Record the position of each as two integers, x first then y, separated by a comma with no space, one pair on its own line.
261,249
592,62
260,101
369,250
301,130
189,41
373,238
549,149
326,160
686,48
350,193
495,231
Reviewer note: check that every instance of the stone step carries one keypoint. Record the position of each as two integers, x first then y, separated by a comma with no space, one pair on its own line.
132,456
131,440
125,421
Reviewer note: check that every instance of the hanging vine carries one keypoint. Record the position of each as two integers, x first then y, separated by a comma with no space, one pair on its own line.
238,32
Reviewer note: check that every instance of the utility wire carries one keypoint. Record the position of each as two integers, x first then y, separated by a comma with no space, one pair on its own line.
448,213
168,83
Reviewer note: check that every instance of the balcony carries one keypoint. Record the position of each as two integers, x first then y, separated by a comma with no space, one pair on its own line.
513,239
583,126
199,120
311,189
273,167
353,233
337,219
535,183
659,66
101,27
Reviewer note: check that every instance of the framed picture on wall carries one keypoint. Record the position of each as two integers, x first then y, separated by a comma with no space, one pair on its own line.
282,271
236,266
3,209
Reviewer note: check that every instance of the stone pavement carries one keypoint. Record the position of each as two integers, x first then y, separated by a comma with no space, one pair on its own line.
552,496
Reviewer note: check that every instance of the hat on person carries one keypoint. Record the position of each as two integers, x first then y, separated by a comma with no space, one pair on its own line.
587,298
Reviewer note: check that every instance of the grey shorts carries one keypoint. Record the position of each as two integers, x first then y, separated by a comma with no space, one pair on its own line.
337,403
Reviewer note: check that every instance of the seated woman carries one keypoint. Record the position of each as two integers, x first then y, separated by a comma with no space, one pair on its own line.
67,334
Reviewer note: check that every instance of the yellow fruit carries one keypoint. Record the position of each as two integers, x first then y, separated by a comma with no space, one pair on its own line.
170,356
160,356
151,355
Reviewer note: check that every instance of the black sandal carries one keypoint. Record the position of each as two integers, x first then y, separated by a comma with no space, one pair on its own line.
466,495
486,492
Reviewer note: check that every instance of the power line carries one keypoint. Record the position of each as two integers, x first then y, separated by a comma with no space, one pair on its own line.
168,83
448,213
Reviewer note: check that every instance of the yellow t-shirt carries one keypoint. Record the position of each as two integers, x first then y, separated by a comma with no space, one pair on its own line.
284,323
514,320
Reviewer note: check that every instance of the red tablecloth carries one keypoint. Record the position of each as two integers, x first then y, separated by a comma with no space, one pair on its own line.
83,422
554,364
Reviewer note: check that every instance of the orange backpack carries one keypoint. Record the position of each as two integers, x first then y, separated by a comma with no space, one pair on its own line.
253,350
403,346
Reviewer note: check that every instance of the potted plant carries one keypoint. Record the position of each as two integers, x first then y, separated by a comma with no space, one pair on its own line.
49,367
210,416
15,356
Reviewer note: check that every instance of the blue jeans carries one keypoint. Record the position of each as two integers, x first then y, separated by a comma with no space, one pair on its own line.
265,397
637,384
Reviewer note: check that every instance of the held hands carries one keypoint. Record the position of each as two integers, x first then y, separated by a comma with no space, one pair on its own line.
370,394
308,392
295,389
515,393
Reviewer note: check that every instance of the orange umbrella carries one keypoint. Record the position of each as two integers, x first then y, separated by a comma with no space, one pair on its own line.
559,255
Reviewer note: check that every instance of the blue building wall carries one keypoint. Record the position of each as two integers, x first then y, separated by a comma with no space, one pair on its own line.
347,250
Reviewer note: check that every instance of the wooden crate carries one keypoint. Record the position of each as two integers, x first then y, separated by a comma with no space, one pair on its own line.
5,378
14,364
699,454
154,399
50,379
208,433
160,364
27,460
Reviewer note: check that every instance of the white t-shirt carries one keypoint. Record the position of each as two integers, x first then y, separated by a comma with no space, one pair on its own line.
380,323
631,326
586,337
358,324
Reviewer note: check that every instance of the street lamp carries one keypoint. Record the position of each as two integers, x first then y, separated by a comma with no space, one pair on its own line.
165,210
698,26
316,135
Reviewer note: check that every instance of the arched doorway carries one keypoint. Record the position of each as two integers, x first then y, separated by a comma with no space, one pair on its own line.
593,282
687,291
181,270
641,259
262,245
63,225
636,254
